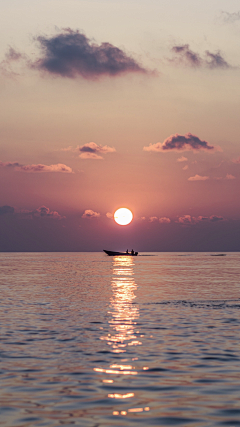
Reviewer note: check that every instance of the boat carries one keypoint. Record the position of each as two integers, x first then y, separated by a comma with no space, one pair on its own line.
112,253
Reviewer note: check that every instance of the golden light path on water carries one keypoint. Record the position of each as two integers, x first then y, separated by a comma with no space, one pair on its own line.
123,324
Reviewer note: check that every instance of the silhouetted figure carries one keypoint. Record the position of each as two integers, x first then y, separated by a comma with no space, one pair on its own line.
132,252
127,251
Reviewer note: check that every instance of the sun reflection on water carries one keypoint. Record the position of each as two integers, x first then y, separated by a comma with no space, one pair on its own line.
122,308
123,334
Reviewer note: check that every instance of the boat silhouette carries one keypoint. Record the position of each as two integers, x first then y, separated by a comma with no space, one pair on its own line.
112,253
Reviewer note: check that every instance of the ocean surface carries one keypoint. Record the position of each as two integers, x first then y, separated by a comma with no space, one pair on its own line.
92,340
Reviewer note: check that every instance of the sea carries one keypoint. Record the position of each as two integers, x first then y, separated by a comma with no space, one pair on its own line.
96,341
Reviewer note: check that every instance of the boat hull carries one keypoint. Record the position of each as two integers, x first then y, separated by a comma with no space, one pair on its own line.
112,253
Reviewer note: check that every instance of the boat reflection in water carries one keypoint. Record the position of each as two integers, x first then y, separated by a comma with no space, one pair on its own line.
123,335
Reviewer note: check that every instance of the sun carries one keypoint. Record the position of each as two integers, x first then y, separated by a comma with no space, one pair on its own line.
123,216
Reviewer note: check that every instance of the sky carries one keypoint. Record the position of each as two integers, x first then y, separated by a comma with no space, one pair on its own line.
109,104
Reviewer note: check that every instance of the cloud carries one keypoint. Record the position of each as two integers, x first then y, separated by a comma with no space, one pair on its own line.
88,213
184,55
182,159
41,212
229,176
236,160
37,168
11,56
70,148
5,210
230,17
10,164
198,178
202,218
44,212
164,220
185,167
191,220
186,220
215,60
92,150
109,215
187,142
153,218
215,218
71,54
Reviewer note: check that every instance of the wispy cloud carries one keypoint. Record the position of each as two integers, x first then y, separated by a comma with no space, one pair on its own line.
236,160
71,54
41,212
185,167
198,178
191,220
37,168
187,142
89,213
93,151
182,159
228,17
184,55
12,56
229,176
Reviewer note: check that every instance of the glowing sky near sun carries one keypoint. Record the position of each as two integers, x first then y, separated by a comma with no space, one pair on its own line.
107,104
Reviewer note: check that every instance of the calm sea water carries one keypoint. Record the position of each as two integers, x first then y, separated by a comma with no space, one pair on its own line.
91,340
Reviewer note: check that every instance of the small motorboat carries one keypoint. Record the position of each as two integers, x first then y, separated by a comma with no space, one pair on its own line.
112,253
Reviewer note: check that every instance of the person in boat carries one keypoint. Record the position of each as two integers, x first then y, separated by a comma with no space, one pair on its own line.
132,252
127,251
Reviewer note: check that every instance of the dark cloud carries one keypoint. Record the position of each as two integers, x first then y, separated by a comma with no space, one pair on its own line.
37,168
215,60
184,55
92,150
41,212
71,54
44,168
10,164
4,210
191,220
215,218
178,142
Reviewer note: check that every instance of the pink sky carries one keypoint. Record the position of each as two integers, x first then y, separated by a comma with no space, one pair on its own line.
120,104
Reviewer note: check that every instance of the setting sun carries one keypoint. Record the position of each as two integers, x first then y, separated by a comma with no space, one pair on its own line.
123,216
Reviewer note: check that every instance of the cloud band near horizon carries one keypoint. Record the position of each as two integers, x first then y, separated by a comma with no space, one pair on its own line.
59,167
